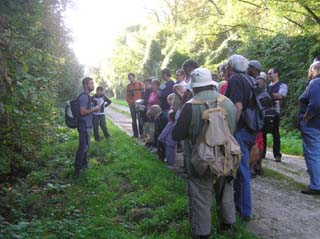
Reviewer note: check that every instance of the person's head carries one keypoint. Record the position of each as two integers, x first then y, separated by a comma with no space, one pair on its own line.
155,84
147,83
166,74
180,75
100,91
171,115
154,111
261,82
131,77
188,66
201,80
170,99
273,74
237,64
254,68
222,70
87,83
179,88
314,70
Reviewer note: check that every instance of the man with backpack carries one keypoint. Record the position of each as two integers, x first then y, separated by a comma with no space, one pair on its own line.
201,185
278,92
240,93
84,124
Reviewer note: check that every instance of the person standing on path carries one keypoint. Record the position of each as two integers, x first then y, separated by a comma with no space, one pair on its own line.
99,117
278,92
201,188
166,90
85,125
239,92
134,92
309,125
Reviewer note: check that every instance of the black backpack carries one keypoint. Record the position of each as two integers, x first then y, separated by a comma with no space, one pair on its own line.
72,112
260,112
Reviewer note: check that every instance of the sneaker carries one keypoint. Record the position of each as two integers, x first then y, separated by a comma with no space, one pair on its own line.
278,159
154,150
310,191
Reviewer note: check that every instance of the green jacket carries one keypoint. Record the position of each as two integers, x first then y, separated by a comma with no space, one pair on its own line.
190,123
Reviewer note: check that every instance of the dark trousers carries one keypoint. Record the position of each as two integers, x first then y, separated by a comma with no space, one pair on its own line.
99,120
134,117
276,139
84,142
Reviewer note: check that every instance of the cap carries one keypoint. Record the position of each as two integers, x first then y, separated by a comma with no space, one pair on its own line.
255,64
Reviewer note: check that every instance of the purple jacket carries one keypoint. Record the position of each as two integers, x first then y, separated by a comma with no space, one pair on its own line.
166,137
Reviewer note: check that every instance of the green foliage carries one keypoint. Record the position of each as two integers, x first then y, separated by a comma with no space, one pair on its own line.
37,71
126,193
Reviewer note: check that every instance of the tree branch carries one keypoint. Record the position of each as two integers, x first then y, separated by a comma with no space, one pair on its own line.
216,7
313,15
294,22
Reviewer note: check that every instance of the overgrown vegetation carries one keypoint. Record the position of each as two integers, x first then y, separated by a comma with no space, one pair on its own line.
126,193
37,72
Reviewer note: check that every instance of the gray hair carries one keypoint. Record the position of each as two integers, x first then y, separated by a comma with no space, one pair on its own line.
315,66
238,63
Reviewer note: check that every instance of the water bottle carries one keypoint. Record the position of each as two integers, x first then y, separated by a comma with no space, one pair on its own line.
277,106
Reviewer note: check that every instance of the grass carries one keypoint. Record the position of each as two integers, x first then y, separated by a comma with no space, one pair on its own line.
120,101
291,142
126,193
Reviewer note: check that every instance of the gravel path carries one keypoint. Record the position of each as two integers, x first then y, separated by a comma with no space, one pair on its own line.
279,209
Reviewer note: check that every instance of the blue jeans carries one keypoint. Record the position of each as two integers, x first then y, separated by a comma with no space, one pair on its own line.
84,141
242,195
311,150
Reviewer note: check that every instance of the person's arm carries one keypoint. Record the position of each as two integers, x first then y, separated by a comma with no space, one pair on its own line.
181,128
106,99
313,107
239,109
83,101
128,95
283,91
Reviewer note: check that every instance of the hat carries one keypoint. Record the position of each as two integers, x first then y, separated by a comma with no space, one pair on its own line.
263,75
255,64
201,77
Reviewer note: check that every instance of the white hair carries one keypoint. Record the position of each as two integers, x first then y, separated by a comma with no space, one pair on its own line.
238,63
315,66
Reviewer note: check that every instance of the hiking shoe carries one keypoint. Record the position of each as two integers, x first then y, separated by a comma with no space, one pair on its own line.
310,191
278,159
253,175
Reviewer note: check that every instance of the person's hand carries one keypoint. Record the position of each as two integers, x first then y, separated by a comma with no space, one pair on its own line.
96,108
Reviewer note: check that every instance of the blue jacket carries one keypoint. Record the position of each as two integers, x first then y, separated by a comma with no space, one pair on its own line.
309,102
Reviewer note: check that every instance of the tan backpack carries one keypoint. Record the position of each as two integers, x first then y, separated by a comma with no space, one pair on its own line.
215,149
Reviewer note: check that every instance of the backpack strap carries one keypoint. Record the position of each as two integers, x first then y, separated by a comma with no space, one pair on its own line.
220,99
199,102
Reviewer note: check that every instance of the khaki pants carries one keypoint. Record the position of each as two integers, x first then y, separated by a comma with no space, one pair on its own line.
201,191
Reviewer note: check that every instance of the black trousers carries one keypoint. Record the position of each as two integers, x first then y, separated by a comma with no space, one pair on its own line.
99,120
135,117
276,139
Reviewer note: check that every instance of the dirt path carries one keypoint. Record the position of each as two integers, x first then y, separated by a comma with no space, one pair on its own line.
279,209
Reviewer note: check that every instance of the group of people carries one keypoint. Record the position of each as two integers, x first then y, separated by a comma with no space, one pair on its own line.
179,122
165,117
